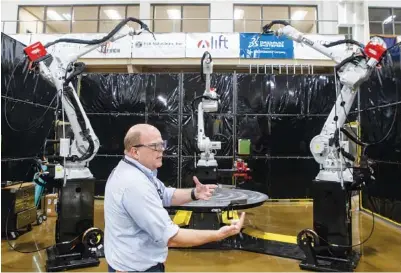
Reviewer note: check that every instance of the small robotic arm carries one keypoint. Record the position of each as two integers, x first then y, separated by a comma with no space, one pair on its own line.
326,148
208,104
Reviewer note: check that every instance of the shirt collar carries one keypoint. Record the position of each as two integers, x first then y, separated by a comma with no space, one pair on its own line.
140,166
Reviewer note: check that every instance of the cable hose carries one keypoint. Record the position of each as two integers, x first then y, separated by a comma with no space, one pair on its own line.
69,92
348,134
266,28
348,60
345,41
105,38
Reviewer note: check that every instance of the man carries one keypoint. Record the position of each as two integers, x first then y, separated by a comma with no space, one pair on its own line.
138,229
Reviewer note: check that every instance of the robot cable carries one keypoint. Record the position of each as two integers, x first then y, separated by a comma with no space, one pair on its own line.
36,123
105,38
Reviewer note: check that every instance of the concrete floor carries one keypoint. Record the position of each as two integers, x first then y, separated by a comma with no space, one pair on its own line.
382,252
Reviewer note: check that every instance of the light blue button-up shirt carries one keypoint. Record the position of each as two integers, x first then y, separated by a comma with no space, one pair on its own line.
137,226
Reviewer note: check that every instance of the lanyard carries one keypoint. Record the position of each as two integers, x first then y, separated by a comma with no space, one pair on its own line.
133,165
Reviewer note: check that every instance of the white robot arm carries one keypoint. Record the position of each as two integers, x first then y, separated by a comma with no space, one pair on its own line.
60,71
326,148
208,104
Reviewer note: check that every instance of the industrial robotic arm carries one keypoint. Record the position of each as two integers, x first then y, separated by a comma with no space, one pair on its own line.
74,154
207,167
208,104
326,148
78,243
328,246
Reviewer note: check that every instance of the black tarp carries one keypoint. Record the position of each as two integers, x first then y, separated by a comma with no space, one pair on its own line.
381,122
27,112
115,102
280,116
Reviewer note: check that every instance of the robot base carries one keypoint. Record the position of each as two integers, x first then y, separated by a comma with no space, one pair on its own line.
77,258
207,174
78,243
329,264
332,231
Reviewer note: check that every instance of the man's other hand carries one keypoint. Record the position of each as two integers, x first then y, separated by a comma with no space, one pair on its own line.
233,229
203,192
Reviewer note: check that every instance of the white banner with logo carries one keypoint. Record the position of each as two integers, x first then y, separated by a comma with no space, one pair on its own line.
220,45
305,52
121,48
166,45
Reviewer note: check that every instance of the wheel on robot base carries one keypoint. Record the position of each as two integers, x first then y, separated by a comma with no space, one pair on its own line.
93,237
306,237
39,220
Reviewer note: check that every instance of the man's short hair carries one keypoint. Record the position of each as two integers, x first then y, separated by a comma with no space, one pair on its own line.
134,134
132,138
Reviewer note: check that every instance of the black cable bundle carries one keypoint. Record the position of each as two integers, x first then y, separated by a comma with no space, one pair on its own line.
105,38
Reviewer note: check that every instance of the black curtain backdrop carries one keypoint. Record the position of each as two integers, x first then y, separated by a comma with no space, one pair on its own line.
381,127
280,114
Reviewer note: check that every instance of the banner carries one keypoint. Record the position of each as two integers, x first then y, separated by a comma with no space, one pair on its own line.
166,45
220,45
266,46
305,52
121,48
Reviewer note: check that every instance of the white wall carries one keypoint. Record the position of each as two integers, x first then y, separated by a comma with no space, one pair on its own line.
384,3
9,12
219,9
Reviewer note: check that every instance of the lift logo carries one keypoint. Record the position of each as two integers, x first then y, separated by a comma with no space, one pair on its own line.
220,45
219,42
107,48
203,44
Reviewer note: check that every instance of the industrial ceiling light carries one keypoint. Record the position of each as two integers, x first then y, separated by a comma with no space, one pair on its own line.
53,15
113,14
238,14
299,15
388,19
67,16
174,14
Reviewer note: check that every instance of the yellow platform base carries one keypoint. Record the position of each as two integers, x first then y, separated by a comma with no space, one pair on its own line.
270,236
182,218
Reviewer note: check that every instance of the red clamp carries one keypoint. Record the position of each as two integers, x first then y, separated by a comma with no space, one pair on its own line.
375,48
35,51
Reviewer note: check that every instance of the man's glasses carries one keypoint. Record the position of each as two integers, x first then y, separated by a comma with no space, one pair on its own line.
160,146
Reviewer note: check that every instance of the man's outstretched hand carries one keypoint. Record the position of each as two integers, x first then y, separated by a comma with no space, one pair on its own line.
233,229
203,192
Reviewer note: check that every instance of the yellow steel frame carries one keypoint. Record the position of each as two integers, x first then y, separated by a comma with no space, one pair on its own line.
182,218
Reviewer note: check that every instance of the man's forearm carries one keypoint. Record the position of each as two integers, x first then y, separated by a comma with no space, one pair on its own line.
192,237
181,196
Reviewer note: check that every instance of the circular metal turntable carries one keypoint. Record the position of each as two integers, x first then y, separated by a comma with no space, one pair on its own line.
225,198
